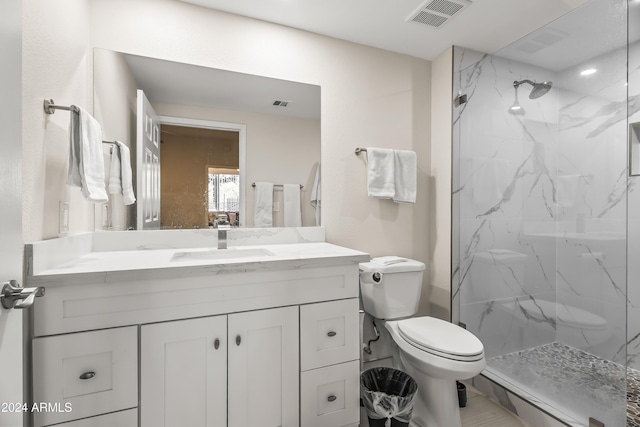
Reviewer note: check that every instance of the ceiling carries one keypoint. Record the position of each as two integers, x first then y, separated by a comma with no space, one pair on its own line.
483,25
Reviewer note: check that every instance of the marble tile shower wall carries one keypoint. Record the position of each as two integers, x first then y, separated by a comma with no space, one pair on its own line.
542,206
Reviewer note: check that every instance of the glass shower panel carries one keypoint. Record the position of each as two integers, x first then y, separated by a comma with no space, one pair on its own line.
540,211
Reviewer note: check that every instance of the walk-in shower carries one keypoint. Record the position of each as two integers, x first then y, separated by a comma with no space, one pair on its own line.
544,216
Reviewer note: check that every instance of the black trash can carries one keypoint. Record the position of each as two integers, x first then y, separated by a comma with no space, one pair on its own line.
387,393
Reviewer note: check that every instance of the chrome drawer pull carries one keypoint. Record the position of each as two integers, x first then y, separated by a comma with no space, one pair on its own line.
87,375
331,334
216,344
331,398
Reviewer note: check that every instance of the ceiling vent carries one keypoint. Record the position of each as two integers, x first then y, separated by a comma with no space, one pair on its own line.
280,103
436,12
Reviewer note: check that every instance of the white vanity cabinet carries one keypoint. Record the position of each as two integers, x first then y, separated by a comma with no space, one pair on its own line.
191,370
227,344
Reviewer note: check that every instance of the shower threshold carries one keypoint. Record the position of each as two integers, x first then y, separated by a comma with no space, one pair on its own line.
570,384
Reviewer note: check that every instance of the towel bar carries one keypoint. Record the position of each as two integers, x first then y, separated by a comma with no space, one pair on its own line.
276,185
50,106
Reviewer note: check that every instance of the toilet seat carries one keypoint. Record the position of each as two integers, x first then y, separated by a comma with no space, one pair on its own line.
441,338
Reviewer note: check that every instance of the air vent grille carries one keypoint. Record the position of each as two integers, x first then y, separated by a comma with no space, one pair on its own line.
430,19
278,103
436,12
444,6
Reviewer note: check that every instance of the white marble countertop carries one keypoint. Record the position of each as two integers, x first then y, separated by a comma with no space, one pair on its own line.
205,260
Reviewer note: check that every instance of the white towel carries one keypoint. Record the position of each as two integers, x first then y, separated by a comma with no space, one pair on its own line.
406,176
263,201
380,173
292,213
86,162
120,176
316,195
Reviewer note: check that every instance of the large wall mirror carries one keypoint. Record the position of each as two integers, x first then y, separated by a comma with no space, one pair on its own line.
219,133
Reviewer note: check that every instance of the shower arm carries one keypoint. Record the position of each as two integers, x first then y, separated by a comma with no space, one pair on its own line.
516,83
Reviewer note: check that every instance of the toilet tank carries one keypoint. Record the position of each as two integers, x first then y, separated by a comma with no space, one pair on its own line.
390,287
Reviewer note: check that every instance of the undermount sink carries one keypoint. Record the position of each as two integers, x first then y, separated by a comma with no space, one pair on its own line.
222,254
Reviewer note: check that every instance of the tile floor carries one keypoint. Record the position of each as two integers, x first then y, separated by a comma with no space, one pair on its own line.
479,412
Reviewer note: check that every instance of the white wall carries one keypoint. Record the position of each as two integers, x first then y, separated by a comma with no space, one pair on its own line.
11,321
55,65
370,97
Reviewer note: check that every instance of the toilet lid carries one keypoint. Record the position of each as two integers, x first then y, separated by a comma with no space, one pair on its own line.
441,338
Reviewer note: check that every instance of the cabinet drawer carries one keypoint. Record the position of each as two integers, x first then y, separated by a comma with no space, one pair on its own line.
330,396
85,374
329,333
127,418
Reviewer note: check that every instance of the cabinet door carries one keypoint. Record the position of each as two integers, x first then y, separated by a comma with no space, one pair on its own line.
183,367
264,368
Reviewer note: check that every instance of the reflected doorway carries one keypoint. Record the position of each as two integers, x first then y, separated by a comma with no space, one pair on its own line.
200,176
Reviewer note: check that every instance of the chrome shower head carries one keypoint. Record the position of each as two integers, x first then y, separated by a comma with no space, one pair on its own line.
539,89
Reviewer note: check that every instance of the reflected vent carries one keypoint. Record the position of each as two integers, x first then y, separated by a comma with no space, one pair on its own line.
436,12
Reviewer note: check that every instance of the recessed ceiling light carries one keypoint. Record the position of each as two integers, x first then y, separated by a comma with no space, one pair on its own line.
588,72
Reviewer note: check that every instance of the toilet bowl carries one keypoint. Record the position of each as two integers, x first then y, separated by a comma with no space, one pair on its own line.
435,353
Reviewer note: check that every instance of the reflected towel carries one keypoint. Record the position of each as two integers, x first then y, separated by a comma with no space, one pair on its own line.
263,201
380,173
406,176
120,175
86,161
316,195
292,213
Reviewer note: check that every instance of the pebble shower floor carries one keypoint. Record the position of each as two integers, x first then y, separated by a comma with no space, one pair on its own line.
574,378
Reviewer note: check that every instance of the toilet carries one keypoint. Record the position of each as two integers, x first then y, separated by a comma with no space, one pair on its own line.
435,353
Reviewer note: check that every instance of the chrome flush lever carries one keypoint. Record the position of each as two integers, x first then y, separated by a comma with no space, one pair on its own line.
15,296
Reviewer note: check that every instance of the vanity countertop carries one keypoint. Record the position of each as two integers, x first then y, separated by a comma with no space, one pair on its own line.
201,260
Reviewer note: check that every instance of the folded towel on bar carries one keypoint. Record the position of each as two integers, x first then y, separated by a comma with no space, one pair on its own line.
263,205
292,212
86,161
316,195
380,173
406,176
120,175
392,174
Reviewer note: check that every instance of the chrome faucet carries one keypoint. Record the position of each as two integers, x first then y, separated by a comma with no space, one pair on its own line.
222,238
